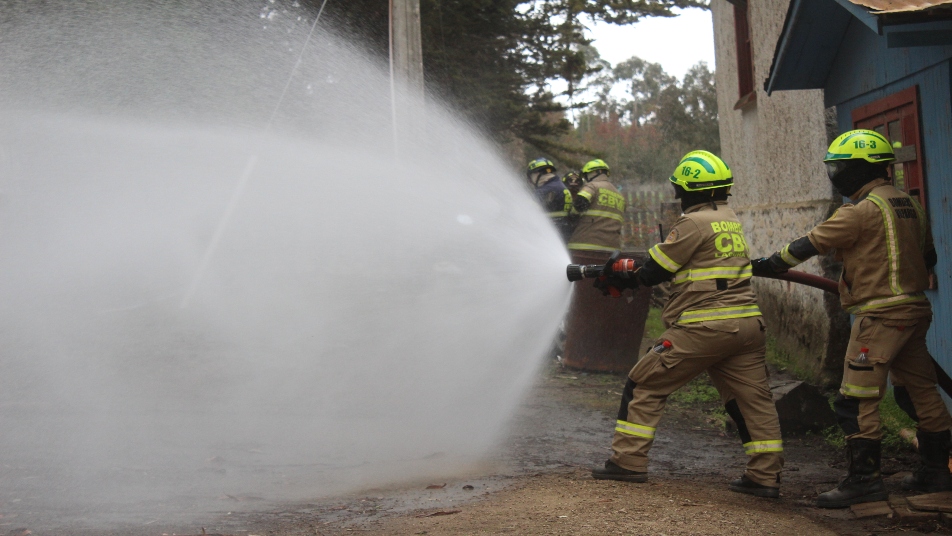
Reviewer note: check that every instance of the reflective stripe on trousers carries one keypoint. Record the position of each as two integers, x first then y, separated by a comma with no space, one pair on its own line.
756,447
876,303
721,313
860,391
632,429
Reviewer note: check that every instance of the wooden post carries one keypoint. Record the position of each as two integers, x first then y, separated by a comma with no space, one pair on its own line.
406,45
406,70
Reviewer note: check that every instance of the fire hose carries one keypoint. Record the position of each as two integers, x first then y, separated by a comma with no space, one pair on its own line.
577,272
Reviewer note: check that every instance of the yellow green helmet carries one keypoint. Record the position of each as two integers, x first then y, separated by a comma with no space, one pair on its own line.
543,165
595,165
701,170
861,144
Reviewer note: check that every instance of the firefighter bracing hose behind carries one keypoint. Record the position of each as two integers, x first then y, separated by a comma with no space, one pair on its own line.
552,193
600,334
885,244
598,211
712,324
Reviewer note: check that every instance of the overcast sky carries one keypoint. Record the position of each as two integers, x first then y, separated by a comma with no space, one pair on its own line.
676,43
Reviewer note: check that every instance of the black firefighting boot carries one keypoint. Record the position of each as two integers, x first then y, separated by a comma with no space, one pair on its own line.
863,483
613,471
748,486
932,474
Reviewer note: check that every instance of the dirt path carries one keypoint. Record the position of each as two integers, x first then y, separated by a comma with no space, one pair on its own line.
539,483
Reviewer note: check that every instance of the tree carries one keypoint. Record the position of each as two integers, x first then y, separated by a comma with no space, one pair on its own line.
644,133
494,59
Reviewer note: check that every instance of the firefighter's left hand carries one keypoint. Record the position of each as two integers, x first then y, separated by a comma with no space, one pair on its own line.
613,286
767,267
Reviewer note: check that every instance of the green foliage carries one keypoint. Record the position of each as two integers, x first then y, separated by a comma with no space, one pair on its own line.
780,357
697,392
494,59
893,421
653,325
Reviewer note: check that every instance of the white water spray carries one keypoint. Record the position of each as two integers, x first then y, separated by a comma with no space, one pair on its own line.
363,319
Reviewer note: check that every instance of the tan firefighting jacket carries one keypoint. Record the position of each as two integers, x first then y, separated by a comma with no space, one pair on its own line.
599,227
707,252
880,241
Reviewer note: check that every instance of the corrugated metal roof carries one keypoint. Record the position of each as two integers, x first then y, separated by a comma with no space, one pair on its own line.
900,6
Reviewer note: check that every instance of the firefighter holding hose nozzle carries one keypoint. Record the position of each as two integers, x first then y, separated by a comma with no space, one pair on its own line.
712,324
885,244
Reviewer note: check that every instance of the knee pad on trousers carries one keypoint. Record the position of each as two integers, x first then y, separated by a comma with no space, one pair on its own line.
734,411
626,397
904,401
847,414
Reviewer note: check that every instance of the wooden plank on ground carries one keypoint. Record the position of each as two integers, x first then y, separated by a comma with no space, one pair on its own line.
907,516
871,509
932,502
898,501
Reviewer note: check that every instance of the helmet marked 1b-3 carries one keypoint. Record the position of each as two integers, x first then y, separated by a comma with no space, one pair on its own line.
702,170
850,148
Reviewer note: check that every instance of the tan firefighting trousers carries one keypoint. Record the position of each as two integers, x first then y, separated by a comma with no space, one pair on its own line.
732,352
896,347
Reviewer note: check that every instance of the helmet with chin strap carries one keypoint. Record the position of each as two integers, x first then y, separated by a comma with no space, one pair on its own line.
592,169
538,168
702,170
856,158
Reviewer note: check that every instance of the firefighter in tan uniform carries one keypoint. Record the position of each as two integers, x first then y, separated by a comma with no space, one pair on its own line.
712,324
598,211
885,244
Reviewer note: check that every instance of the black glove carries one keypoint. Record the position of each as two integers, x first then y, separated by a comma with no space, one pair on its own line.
768,267
613,286
618,274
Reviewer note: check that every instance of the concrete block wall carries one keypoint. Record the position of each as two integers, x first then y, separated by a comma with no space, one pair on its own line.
775,147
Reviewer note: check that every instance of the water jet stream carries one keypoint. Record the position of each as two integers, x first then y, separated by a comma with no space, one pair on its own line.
246,174
365,319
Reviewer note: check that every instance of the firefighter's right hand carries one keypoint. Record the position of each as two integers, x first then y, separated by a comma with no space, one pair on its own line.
612,285
617,275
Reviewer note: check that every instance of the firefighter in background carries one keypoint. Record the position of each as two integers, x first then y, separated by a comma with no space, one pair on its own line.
712,323
885,244
552,193
597,212
573,181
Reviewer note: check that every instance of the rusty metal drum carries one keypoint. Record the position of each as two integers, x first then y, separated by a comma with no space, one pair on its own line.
601,333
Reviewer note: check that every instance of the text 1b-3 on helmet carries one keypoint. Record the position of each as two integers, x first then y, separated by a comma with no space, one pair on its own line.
701,170
593,168
856,158
857,145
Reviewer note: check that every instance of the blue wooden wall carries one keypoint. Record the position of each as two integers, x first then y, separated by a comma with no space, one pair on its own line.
865,71
864,65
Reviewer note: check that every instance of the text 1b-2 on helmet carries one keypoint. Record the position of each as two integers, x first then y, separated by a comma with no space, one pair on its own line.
702,170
